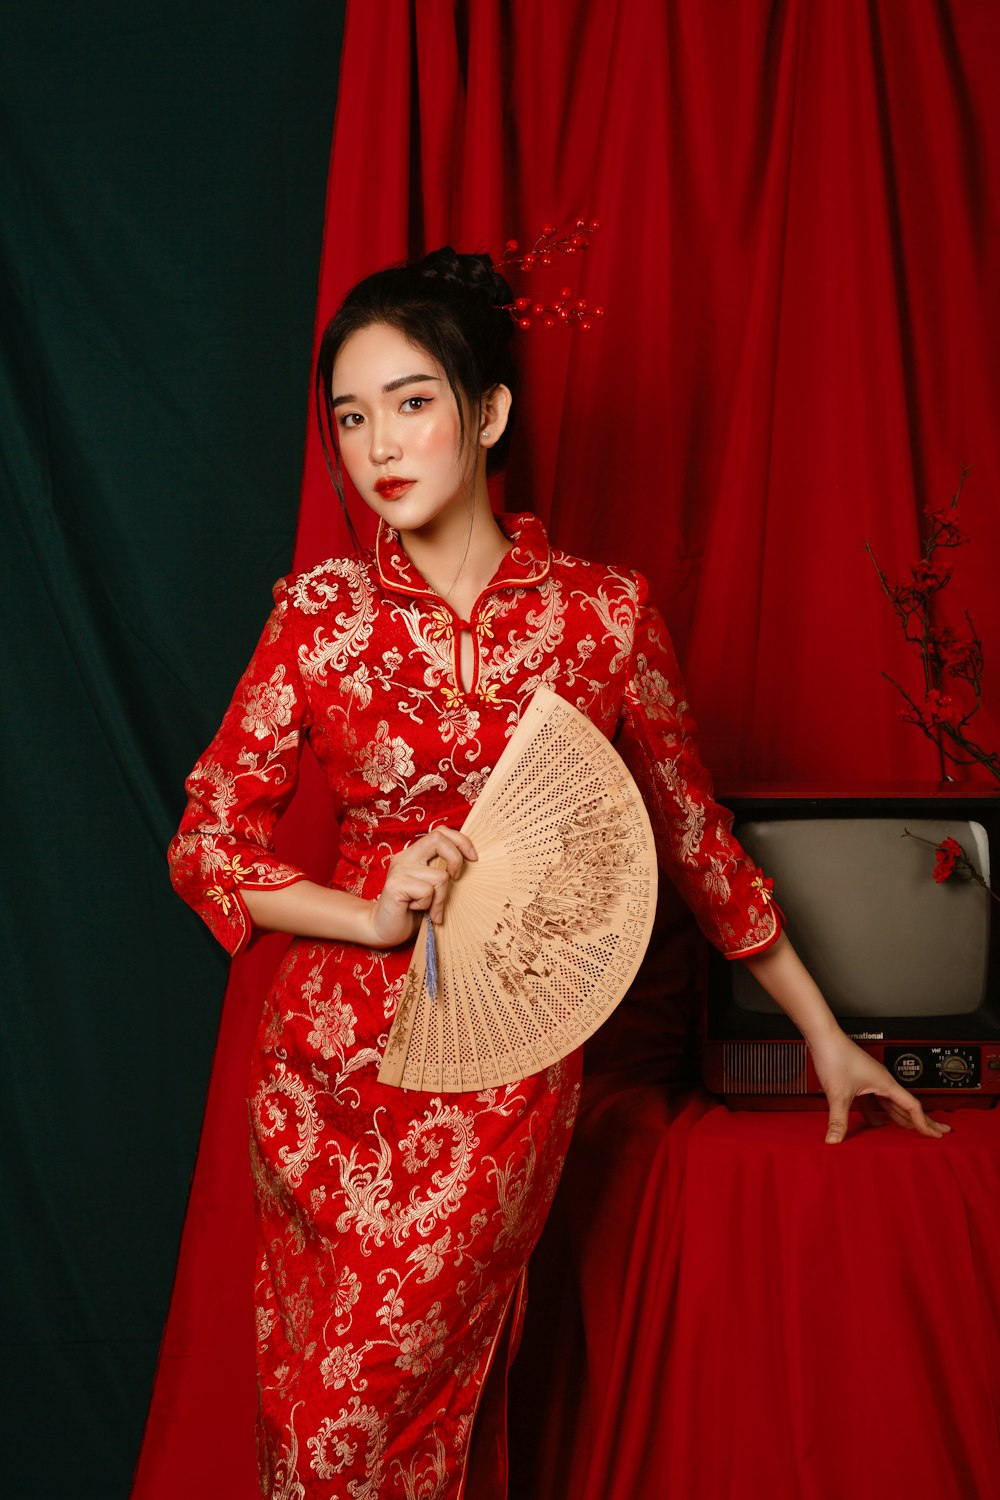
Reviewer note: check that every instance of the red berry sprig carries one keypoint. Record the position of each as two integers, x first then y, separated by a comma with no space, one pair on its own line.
528,312
565,309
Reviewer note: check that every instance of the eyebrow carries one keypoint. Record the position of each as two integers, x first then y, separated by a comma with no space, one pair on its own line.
394,385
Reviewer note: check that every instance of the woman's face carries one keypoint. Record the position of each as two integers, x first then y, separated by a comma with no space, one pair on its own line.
398,429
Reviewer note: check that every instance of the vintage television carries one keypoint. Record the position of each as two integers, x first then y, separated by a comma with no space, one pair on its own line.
910,967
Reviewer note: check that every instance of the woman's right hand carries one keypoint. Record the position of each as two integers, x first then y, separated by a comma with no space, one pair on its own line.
412,886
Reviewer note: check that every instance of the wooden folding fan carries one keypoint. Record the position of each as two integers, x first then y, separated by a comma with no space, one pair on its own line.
543,933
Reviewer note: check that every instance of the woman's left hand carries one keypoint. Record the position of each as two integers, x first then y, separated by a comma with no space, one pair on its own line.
848,1073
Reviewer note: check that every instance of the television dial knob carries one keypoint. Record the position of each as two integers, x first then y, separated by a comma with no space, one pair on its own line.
954,1067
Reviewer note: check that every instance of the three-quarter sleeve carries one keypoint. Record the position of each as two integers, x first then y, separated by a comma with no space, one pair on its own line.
240,786
658,739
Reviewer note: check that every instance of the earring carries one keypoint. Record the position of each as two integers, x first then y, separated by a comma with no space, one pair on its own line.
486,432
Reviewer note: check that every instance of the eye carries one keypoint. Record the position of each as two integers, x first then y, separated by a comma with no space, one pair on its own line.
351,419
416,403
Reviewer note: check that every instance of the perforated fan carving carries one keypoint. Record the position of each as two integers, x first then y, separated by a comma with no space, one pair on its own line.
543,933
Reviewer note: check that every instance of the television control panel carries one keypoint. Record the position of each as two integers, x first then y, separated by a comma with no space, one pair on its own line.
779,1074
934,1067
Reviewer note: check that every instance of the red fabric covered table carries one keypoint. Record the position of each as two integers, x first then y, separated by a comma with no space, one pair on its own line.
726,1308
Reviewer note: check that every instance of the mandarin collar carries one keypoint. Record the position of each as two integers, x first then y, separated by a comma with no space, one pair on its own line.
527,563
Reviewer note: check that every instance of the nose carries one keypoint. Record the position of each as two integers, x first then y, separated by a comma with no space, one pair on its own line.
383,441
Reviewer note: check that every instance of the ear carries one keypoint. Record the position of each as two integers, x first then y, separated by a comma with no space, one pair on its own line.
493,413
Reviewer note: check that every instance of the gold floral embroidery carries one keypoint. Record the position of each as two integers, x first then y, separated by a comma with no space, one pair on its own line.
387,760
285,1483
459,723
441,624
268,706
332,1451
358,683
222,897
341,1365
236,872
333,1032
421,1343
473,784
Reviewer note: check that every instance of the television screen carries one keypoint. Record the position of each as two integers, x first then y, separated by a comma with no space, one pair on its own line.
877,933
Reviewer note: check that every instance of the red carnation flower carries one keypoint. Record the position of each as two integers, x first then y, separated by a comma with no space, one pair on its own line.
950,855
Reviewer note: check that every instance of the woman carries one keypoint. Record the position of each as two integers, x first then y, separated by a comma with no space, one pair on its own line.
396,1226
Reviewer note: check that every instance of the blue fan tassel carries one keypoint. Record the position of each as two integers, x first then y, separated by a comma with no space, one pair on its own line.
431,958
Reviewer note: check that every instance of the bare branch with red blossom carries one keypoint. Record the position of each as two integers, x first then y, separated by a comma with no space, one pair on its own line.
951,658
951,862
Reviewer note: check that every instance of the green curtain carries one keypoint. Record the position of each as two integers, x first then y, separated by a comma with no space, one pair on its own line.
161,212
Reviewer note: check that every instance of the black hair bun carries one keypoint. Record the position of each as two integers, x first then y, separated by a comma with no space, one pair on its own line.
475,273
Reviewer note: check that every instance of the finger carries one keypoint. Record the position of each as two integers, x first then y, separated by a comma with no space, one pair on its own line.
445,857
459,841
917,1117
436,912
416,889
424,855
837,1124
906,1110
440,847
923,1124
433,887
885,1102
897,1113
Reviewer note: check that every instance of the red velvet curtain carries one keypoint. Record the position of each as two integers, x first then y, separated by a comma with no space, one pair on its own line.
800,265
799,262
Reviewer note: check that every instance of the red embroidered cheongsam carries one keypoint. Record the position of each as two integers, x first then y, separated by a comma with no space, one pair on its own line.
395,1226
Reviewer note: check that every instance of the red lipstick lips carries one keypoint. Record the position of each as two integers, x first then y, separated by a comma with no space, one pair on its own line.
390,488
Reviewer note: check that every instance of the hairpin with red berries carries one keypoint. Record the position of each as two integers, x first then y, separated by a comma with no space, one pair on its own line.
530,312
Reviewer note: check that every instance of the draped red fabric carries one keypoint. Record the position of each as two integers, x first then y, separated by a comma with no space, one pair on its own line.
799,261
726,1309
